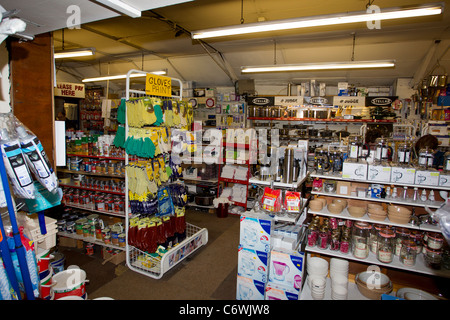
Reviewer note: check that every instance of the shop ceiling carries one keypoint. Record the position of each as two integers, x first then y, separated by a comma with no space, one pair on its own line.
160,39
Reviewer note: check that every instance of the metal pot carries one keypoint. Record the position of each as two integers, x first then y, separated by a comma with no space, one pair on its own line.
326,133
253,111
320,113
313,132
204,200
276,112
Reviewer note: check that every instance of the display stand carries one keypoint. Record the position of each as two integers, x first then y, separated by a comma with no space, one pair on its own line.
155,266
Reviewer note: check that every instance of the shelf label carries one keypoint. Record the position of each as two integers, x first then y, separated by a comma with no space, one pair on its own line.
158,85
288,100
347,101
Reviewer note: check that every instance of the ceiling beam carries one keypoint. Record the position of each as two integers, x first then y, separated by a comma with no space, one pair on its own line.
135,46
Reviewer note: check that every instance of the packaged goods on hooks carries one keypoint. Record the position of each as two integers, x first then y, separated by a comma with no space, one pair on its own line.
147,142
146,111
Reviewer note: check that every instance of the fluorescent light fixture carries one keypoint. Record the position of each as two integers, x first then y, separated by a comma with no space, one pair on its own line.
74,53
320,66
123,76
317,21
122,7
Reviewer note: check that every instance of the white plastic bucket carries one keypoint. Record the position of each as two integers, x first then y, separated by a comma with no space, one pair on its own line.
71,282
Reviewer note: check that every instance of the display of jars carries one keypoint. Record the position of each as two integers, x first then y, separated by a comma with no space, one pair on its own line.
360,239
385,245
408,253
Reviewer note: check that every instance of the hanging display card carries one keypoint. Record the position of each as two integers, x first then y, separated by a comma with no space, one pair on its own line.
158,86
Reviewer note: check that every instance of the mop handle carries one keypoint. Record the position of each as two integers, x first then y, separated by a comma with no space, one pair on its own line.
17,240
7,261
41,218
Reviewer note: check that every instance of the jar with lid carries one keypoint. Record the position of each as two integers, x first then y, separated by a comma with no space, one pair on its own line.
404,153
344,245
313,234
323,237
417,237
381,150
408,253
435,240
373,241
446,166
335,240
401,234
433,258
426,158
354,148
360,239
386,245
446,257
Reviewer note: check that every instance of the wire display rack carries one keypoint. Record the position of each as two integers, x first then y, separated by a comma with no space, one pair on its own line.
154,265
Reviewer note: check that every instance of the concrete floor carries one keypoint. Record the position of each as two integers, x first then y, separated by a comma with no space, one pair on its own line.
207,274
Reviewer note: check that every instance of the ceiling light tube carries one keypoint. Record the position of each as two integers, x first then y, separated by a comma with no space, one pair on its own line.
123,76
320,66
317,21
122,7
74,53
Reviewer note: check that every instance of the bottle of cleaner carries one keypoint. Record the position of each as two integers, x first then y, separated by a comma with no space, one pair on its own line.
16,167
37,159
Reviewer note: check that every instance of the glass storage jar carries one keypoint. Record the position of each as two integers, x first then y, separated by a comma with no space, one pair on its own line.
426,158
433,258
408,253
360,239
435,240
386,245
401,234
447,161
373,241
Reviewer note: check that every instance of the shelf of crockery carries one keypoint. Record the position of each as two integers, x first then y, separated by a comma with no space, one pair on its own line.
406,202
325,120
339,177
420,265
346,215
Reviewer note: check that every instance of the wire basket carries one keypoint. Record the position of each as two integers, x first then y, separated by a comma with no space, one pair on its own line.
156,266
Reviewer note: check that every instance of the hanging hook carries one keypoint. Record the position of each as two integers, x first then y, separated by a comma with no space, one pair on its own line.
242,11
353,46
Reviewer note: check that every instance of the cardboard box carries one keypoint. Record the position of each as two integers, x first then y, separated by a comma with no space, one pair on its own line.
67,242
444,180
379,173
403,175
117,258
256,231
427,177
274,292
253,264
286,269
344,188
249,289
355,170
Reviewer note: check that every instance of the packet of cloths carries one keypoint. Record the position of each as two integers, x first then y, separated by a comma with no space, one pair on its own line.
165,204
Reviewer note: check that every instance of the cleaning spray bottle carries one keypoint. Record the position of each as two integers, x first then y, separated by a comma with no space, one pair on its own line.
16,166
37,159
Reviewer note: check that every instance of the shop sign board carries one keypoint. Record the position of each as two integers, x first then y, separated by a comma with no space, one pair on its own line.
319,100
67,89
158,85
380,101
261,101
349,101
288,100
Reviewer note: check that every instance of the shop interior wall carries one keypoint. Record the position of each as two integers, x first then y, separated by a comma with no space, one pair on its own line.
5,85
32,83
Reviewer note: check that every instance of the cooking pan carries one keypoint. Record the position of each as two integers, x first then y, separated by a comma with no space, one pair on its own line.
204,200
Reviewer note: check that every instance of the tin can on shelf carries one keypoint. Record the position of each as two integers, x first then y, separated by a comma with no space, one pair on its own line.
121,238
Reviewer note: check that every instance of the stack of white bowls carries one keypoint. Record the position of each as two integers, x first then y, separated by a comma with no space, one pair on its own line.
318,285
339,278
317,269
